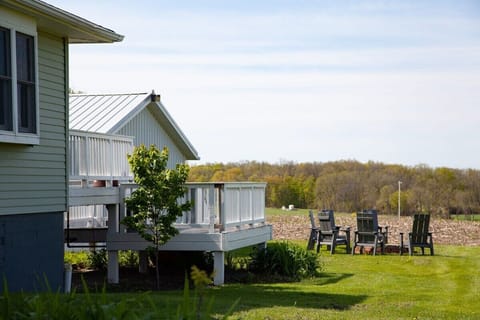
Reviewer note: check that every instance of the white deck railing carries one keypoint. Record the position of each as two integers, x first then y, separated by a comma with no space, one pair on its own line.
95,156
219,206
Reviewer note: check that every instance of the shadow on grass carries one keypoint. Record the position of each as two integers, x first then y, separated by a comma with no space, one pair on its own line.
267,296
331,278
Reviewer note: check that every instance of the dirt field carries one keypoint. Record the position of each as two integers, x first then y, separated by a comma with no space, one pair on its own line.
444,231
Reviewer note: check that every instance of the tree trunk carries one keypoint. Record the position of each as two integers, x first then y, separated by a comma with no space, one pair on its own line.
157,267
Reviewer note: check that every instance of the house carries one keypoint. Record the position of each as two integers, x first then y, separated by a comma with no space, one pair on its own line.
34,42
225,216
141,116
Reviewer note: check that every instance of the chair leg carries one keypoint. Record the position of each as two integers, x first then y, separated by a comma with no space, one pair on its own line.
312,240
401,244
375,244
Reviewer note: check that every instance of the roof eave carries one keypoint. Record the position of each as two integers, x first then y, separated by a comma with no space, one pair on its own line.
75,28
173,129
190,152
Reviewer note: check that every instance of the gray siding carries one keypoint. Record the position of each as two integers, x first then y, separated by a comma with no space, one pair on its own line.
33,179
145,129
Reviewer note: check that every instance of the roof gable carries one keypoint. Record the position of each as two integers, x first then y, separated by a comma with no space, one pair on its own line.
108,113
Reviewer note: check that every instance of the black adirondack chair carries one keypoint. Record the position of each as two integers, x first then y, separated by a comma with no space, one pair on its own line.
419,237
313,238
330,234
369,233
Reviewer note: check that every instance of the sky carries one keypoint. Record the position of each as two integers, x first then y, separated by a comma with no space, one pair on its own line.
396,82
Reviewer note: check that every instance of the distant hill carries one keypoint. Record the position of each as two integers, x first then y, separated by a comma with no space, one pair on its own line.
350,186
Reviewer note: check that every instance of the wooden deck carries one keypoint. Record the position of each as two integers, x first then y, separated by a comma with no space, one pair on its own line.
225,215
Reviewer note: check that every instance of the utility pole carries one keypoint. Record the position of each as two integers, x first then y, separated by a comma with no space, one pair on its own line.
399,191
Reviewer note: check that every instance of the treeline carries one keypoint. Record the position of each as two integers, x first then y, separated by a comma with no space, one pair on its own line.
349,186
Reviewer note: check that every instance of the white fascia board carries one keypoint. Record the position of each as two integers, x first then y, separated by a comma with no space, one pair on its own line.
177,131
55,20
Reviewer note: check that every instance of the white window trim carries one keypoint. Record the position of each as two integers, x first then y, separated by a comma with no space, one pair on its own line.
18,23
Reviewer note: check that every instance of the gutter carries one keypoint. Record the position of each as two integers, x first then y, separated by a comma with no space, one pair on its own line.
79,24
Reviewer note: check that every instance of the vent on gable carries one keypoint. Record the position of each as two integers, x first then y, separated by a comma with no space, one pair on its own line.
155,97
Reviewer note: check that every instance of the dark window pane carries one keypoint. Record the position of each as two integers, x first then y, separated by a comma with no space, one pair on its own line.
25,61
5,104
26,108
5,81
4,52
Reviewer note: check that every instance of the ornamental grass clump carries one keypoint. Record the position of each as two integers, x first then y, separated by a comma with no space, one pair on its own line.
286,260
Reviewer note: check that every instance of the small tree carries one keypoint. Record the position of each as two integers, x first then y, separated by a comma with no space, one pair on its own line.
154,204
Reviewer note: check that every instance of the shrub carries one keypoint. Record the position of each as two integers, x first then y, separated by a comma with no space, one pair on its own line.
128,259
285,259
78,260
98,259
236,263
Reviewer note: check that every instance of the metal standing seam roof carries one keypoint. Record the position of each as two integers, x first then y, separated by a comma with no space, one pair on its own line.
106,113
101,112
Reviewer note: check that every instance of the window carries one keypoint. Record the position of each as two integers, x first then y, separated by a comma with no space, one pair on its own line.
27,119
18,87
5,81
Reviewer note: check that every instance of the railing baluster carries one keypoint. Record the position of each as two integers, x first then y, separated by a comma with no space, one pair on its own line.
95,156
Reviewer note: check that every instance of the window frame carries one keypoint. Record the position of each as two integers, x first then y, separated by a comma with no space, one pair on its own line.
21,25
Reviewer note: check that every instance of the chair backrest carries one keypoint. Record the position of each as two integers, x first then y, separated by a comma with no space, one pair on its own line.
312,219
326,221
420,228
367,225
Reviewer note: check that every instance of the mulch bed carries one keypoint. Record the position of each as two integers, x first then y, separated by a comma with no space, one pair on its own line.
130,280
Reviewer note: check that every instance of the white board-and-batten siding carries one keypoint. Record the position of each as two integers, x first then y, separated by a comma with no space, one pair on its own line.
146,130
33,179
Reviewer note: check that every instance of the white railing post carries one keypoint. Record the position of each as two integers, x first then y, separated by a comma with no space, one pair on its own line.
211,208
87,158
109,157
122,208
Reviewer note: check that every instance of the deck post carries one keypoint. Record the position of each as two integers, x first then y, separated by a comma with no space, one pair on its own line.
142,261
219,267
112,269
211,209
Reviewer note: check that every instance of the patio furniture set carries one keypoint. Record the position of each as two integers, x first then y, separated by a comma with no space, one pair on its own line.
368,234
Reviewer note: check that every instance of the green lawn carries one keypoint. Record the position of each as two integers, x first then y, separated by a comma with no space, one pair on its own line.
467,217
445,286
